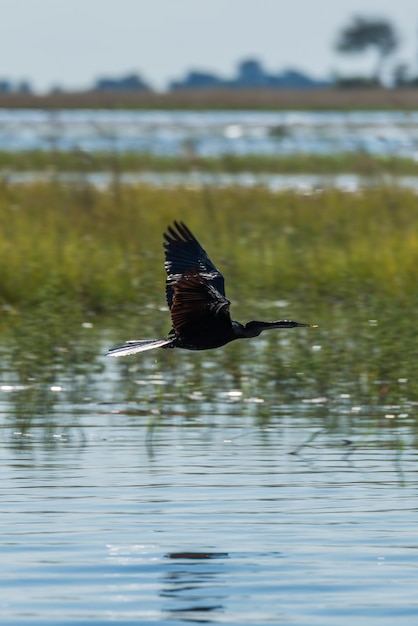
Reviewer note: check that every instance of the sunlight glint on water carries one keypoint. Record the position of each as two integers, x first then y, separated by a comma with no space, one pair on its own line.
211,133
206,517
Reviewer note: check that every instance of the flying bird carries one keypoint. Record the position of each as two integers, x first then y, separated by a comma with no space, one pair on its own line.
199,309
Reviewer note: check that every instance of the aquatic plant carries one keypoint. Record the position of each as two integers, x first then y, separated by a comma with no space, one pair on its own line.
345,261
54,162
104,247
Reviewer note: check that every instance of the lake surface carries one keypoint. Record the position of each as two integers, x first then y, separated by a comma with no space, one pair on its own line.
302,183
196,488
211,133
144,499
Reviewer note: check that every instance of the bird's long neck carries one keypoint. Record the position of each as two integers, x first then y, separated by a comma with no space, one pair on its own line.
239,330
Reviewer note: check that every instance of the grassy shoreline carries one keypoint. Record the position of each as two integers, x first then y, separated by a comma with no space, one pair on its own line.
72,255
239,99
78,161
104,246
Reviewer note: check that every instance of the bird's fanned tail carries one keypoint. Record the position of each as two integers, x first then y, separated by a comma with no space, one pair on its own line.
133,347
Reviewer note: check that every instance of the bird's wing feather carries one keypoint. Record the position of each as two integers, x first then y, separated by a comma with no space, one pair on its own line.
133,347
198,305
184,253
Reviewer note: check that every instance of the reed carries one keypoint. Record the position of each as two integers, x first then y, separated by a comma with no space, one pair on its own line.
104,247
79,161
345,261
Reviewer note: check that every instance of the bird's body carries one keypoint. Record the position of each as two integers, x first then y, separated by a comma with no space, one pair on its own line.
196,298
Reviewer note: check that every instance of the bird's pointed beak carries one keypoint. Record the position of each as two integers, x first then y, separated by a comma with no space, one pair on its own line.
292,324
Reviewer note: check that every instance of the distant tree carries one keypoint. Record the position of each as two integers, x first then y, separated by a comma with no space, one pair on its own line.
197,80
131,82
251,73
364,33
5,86
24,87
401,75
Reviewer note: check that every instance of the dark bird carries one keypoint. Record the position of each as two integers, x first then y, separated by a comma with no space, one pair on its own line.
196,298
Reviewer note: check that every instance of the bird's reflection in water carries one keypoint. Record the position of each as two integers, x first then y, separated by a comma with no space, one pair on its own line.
193,585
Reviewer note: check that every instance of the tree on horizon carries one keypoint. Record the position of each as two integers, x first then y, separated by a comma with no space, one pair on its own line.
363,33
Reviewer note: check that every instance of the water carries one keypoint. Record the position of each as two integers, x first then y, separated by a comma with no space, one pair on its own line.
302,183
189,488
205,503
211,133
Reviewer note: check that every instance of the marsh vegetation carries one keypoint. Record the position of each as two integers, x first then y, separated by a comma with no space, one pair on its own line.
313,427
82,268
76,161
240,99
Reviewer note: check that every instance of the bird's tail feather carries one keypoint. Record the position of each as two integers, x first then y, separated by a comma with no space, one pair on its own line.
133,347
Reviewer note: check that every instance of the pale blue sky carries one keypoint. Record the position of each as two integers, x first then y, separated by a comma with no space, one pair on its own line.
71,42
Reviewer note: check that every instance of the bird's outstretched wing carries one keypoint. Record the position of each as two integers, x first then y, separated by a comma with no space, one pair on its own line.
184,253
198,306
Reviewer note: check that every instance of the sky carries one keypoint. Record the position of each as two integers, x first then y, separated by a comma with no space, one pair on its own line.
73,42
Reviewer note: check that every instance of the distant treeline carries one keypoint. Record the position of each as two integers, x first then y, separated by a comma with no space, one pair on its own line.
359,36
250,75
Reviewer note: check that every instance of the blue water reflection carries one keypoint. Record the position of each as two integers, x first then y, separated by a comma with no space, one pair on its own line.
211,519
301,183
211,133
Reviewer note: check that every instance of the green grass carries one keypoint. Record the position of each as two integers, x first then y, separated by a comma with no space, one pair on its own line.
77,161
105,247
345,261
